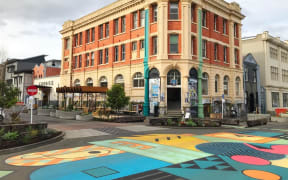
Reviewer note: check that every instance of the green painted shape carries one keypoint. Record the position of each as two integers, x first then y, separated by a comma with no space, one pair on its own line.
161,152
207,164
146,68
203,174
212,158
280,141
222,167
100,172
186,165
5,173
200,104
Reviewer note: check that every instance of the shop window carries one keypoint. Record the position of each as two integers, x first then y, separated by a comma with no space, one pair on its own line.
77,83
138,80
237,86
89,82
174,78
226,85
275,99
205,81
119,80
103,82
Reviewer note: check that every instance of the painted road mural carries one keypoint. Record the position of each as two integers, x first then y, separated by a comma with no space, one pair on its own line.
240,156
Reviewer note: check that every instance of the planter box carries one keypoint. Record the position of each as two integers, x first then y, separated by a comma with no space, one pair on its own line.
45,112
23,127
52,114
258,122
258,116
68,115
84,117
231,121
216,116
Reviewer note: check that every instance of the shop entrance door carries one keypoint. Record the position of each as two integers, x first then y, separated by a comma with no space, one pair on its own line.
174,98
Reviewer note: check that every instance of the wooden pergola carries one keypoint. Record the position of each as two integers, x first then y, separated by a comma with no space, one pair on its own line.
80,90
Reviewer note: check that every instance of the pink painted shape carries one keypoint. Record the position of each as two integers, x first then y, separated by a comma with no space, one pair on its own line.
275,149
250,160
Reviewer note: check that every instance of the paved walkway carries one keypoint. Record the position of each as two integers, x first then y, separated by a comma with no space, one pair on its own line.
99,150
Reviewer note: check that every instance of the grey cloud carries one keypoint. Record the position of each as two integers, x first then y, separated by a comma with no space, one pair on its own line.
2,23
48,11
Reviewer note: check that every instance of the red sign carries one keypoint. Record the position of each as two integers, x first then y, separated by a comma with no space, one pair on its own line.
32,90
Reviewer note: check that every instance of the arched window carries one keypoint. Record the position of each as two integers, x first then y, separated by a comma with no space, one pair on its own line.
174,78
103,82
237,86
226,85
77,82
216,83
193,73
154,74
138,80
89,82
205,84
119,80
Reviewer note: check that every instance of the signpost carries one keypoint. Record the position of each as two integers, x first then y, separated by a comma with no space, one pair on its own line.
32,91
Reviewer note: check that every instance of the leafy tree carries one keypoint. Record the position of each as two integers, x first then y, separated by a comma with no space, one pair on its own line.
8,95
116,98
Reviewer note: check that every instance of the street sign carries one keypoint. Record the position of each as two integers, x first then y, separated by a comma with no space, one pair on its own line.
32,90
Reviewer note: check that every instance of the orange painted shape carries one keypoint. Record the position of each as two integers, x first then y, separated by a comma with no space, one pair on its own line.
243,137
263,175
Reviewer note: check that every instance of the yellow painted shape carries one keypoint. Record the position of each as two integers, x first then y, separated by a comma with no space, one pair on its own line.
281,162
61,156
184,141
242,137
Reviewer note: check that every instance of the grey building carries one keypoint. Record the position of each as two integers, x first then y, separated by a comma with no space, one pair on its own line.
252,88
19,73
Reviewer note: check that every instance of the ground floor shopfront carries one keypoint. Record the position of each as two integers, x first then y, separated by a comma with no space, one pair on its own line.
172,86
276,98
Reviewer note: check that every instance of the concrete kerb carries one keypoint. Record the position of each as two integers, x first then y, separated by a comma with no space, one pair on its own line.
34,145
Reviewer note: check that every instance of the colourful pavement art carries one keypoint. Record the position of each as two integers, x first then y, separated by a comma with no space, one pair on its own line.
240,156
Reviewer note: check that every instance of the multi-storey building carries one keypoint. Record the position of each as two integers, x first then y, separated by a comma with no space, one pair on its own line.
179,55
46,77
272,55
252,86
18,73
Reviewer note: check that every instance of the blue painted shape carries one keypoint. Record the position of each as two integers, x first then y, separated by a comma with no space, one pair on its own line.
100,172
206,164
261,133
230,149
196,174
126,164
186,165
208,174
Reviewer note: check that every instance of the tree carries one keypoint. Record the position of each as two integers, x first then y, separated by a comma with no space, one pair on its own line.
116,98
8,95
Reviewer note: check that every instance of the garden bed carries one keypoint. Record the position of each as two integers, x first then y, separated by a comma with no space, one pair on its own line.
121,119
195,122
258,122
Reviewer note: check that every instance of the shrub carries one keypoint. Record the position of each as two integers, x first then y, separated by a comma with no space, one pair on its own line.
2,132
15,117
190,122
169,122
10,136
32,132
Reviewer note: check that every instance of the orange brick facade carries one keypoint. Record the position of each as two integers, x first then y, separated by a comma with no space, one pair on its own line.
219,31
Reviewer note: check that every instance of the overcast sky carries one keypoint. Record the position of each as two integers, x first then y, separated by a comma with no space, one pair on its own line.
31,27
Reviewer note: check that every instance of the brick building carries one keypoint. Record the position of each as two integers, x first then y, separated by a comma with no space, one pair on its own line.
178,55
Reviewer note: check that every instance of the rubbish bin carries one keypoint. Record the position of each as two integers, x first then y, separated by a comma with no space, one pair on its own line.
156,111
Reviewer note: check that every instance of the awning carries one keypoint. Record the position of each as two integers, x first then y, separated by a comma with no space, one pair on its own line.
42,87
81,89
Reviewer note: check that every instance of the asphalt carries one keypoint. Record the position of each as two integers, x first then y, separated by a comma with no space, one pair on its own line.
80,133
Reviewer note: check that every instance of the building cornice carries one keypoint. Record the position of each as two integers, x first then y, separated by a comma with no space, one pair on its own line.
121,5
